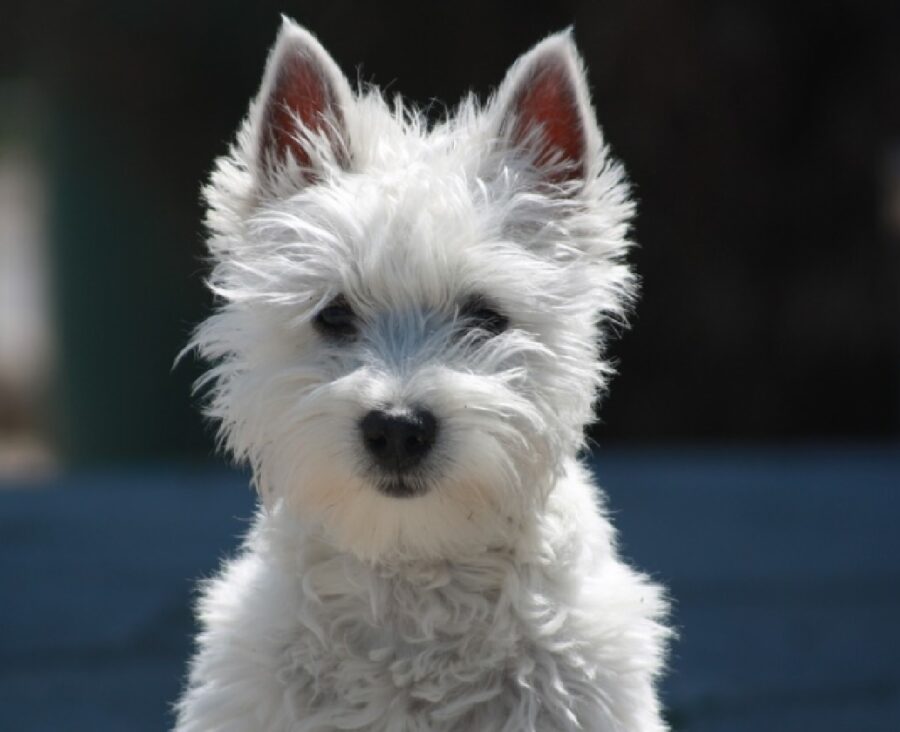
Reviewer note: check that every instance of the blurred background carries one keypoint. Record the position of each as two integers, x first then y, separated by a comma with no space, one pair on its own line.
758,408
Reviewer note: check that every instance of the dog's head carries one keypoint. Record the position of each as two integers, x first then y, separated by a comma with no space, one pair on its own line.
407,346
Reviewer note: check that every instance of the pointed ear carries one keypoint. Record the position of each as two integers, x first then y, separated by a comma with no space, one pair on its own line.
302,104
545,111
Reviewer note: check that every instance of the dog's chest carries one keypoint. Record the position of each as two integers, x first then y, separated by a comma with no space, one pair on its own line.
366,643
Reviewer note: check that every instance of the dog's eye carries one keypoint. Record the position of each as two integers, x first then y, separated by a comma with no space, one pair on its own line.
479,313
336,320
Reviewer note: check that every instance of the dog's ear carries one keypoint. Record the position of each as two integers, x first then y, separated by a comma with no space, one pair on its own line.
301,109
544,113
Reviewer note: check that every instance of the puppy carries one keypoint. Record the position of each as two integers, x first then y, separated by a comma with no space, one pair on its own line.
406,350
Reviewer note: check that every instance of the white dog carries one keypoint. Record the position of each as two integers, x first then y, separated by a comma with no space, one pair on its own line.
406,352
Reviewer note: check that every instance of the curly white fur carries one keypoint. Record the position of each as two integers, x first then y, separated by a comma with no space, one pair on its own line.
495,600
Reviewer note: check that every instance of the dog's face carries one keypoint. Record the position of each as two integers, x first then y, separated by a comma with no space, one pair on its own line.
407,346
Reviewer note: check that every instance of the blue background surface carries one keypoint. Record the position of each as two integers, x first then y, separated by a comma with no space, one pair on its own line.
784,566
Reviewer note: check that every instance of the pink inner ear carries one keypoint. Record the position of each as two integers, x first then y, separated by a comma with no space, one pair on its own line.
301,90
548,100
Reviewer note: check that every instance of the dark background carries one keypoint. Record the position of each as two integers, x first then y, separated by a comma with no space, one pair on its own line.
763,139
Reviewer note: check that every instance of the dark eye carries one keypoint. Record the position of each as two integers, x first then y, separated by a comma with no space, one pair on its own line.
336,320
481,314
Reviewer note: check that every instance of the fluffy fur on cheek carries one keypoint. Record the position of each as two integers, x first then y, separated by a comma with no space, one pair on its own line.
490,596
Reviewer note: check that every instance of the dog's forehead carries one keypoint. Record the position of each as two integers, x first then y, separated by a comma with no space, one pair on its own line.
410,234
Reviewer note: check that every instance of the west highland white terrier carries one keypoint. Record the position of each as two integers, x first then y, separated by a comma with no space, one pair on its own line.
406,351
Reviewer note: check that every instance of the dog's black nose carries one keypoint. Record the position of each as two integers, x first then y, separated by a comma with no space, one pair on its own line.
400,440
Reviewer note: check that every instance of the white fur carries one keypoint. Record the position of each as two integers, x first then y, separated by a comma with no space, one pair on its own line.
496,600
